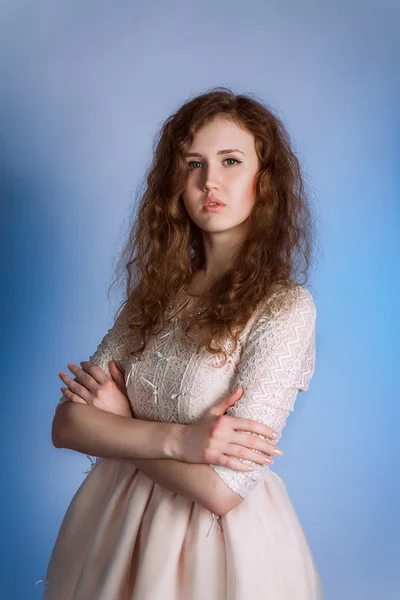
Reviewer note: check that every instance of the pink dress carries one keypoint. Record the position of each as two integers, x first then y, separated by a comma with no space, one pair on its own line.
125,537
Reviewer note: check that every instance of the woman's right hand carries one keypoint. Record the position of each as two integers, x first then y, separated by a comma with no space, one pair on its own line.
220,439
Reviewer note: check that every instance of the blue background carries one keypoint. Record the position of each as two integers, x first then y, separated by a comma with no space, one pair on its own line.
84,88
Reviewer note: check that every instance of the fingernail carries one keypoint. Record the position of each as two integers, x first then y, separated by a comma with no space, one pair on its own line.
275,435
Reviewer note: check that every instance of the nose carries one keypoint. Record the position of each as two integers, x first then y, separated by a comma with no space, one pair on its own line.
211,177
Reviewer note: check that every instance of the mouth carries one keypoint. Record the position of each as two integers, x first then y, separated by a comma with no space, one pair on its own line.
212,201
213,208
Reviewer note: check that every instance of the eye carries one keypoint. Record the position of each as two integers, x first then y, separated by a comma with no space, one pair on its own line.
234,159
198,162
193,162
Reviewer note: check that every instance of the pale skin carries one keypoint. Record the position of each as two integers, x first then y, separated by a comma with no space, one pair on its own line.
178,457
230,177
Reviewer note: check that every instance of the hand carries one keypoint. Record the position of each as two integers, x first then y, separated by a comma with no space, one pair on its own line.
92,386
217,438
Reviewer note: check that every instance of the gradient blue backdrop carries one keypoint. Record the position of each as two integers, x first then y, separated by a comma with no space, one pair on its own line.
84,89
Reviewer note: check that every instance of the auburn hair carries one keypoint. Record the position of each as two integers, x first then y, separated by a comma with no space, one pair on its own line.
164,246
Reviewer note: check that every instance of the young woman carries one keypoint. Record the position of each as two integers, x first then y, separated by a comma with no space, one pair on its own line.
214,340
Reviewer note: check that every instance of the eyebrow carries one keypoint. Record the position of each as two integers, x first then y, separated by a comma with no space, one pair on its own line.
228,151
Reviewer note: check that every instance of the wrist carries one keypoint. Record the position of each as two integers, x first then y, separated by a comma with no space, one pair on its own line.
174,441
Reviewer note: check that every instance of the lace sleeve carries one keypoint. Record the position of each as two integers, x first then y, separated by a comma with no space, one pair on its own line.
114,346
277,362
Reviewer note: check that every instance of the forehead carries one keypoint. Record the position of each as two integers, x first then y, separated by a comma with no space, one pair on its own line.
222,133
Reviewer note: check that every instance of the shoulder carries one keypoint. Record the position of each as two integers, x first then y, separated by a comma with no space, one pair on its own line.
303,301
298,311
295,302
293,312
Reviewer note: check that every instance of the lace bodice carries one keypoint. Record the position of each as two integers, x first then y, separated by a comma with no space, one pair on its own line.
170,382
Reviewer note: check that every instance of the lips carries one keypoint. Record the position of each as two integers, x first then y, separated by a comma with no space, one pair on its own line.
213,199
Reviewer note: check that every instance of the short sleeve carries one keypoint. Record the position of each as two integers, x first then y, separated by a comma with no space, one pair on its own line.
278,362
115,345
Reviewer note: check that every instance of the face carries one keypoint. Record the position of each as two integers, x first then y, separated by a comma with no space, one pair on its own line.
229,176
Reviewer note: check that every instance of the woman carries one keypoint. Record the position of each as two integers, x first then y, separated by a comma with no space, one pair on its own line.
214,341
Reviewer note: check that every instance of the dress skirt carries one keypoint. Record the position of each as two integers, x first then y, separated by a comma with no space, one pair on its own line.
125,537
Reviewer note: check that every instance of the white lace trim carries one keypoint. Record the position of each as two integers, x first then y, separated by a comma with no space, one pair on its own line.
170,382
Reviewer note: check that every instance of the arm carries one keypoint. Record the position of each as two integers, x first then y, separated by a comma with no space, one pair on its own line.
90,430
197,482
115,345
87,429
95,432
277,363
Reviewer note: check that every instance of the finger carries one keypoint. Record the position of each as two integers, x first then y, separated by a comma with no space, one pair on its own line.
236,394
234,463
117,376
71,396
222,406
75,386
233,398
116,367
83,378
96,372
252,426
242,452
255,443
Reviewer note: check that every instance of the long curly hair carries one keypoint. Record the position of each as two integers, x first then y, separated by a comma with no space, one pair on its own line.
164,247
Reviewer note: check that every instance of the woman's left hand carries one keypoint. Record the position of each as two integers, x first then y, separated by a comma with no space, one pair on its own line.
93,386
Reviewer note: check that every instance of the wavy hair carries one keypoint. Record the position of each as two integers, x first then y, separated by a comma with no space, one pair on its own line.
164,247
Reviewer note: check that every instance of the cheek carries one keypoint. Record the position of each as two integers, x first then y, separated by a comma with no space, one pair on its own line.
190,195
187,193
245,189
188,203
